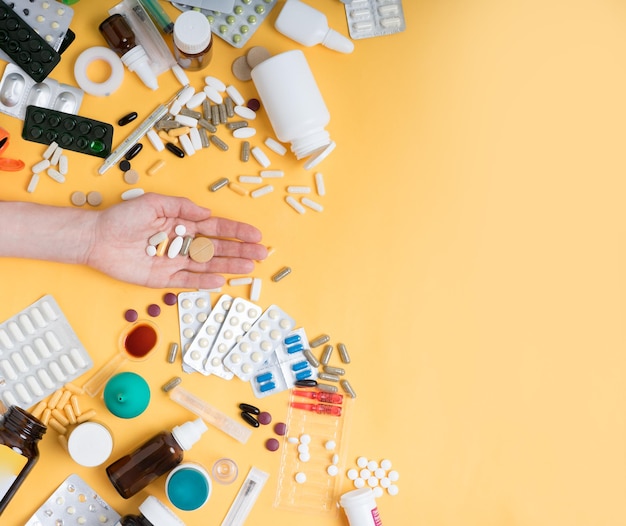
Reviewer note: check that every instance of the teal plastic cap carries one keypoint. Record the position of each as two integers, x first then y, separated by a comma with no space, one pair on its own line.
126,395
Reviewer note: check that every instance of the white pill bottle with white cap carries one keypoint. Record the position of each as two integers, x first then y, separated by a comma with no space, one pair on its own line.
360,507
293,102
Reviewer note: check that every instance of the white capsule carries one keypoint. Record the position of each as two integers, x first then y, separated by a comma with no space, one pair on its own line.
244,133
213,95
262,191
45,378
293,203
34,386
56,175
63,164
250,179
215,83
22,392
54,160
19,362
174,249
196,140
275,146
186,95
260,156
15,330
245,113
53,341
319,184
187,121
185,142
196,100
255,289
50,150
56,371
268,174
8,370
180,75
234,94
312,204
26,324
155,140
41,166
67,364
132,194
32,185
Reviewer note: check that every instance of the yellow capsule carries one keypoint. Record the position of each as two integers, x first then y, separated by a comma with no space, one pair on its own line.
74,389
85,416
62,438
39,409
177,132
45,416
75,405
162,247
237,189
65,398
60,417
57,426
69,413
156,167
54,399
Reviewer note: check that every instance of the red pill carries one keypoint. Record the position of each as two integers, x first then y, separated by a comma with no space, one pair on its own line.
170,298
271,444
154,310
280,428
264,418
254,104
131,315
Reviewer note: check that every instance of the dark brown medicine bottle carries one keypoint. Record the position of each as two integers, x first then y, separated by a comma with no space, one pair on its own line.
19,434
163,452
193,42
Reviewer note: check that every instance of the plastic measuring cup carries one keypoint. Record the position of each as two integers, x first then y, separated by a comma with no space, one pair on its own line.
136,343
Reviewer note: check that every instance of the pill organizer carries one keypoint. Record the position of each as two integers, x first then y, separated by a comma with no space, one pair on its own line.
39,353
24,46
320,493
18,91
239,24
374,18
239,319
74,502
193,310
285,366
71,132
200,346
257,345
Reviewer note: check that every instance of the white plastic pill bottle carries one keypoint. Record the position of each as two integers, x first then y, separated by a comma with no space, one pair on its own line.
360,507
293,102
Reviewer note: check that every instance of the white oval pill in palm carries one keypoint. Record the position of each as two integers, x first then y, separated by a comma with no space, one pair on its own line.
244,133
245,113
213,95
174,249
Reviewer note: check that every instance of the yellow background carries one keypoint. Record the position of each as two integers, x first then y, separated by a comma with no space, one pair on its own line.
470,255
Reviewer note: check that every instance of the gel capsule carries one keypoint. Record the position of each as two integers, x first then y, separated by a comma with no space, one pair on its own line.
127,119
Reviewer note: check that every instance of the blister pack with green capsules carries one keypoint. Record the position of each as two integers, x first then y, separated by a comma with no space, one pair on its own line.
237,25
374,18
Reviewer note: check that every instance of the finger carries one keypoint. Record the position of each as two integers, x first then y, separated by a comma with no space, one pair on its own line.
222,265
226,248
227,228
185,279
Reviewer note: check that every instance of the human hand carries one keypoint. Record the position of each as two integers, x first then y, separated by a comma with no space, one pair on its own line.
121,232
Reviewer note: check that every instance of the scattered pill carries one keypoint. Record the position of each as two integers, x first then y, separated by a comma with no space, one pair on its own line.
327,388
328,377
127,119
249,408
234,94
131,176
50,150
255,289
174,248
280,428
244,133
298,189
237,188
259,192
78,198
94,198
41,166
172,352
313,205
156,167
171,147
124,165
306,383
157,238
293,203
201,249
63,164
256,55
334,370
132,194
282,273
245,151
326,354
332,470
241,69
154,310
169,298
300,477
168,386
54,160
271,444
155,140
245,113
265,418
249,419
253,104
320,340
131,315
55,175
219,143
220,183
134,151
260,156
32,185
184,250
275,146
250,179
237,282
345,385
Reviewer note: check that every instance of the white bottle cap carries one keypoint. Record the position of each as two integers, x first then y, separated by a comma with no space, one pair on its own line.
189,433
90,444
136,60
192,32
337,42
158,514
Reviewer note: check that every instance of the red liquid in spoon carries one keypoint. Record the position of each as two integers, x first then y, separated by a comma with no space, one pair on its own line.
140,341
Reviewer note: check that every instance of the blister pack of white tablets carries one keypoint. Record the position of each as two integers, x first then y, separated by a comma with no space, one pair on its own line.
193,310
258,344
240,23
50,19
39,353
18,91
239,319
74,502
198,348
285,367
374,18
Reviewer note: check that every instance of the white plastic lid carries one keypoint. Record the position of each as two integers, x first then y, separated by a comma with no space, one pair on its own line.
189,433
90,444
337,42
192,32
158,514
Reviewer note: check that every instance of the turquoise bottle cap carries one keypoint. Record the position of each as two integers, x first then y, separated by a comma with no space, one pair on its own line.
126,395
188,486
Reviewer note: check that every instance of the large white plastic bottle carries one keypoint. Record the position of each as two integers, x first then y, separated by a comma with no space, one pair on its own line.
293,102
308,26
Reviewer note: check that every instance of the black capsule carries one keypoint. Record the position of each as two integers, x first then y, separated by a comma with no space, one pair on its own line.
124,166
250,419
247,408
127,119
306,383
133,151
175,149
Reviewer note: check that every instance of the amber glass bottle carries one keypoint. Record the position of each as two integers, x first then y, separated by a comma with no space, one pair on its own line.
19,434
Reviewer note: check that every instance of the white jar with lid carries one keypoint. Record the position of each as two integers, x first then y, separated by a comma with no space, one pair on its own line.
293,102
360,507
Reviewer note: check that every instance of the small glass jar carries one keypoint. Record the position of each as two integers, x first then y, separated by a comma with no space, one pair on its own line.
193,41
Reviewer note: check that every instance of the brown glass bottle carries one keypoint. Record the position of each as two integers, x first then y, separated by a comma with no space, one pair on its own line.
19,434
163,452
